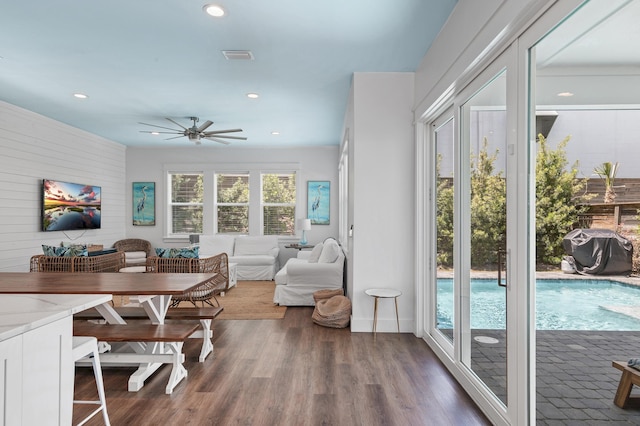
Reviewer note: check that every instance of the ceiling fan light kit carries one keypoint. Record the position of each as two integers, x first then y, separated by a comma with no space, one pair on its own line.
194,133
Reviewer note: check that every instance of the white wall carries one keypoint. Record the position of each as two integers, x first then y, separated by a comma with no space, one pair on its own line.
381,197
314,163
599,135
33,147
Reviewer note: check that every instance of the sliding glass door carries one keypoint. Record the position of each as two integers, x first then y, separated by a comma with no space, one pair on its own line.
483,233
479,239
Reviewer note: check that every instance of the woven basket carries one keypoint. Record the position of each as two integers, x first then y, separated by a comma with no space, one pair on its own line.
326,294
333,312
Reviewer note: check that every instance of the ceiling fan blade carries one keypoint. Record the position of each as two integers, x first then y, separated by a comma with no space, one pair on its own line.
175,137
162,127
217,140
215,132
155,131
205,125
176,123
240,138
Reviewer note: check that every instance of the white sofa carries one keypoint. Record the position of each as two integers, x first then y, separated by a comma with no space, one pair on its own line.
319,269
256,257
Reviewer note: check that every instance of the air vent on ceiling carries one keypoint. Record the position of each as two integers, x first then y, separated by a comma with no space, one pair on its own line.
238,54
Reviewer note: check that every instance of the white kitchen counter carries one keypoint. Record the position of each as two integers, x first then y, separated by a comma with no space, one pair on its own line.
36,351
20,313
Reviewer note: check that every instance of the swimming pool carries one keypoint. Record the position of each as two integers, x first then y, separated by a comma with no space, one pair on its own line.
589,304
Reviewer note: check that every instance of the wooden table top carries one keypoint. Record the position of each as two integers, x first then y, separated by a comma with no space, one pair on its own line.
100,283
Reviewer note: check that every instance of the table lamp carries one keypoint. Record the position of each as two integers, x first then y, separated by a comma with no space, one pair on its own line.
305,225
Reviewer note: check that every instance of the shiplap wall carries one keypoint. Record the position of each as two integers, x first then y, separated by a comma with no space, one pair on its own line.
33,147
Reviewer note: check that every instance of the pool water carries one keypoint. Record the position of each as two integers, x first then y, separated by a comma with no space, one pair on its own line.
560,305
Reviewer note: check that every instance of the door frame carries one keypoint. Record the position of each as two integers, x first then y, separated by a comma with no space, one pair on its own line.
521,328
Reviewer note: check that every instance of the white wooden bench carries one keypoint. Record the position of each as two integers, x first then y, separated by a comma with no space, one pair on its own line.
155,344
204,315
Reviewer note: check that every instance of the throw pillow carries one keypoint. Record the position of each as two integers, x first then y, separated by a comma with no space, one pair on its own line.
185,252
74,250
330,252
315,253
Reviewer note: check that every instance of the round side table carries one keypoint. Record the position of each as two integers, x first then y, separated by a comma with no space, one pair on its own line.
384,293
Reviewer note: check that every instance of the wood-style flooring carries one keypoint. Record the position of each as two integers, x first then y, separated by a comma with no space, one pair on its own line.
292,372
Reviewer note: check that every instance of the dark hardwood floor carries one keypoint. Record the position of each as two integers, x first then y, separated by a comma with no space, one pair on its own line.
293,372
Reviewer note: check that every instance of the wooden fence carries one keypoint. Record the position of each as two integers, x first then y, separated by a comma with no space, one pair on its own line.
621,215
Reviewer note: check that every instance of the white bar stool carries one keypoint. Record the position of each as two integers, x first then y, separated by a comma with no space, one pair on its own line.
88,347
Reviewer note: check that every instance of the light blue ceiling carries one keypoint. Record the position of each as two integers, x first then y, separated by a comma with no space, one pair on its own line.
143,60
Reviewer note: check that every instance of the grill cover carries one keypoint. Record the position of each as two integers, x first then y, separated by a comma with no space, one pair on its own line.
599,251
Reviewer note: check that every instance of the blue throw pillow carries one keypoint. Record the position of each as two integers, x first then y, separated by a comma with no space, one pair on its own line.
185,252
74,250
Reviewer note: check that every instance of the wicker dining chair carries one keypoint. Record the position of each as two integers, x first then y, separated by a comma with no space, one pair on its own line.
134,244
218,264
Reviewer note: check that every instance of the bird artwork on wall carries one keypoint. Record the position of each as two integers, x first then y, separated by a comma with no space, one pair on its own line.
318,196
144,203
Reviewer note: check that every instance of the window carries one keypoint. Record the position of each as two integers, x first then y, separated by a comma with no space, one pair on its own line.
210,198
278,203
186,203
232,202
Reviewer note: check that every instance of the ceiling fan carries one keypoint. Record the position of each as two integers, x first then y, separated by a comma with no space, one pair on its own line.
195,133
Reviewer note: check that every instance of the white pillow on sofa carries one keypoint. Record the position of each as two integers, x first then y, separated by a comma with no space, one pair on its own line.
330,252
212,245
251,246
315,253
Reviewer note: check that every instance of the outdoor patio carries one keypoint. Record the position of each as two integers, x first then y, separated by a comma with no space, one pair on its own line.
575,380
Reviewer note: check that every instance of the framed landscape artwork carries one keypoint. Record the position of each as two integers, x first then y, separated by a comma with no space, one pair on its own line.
144,203
318,196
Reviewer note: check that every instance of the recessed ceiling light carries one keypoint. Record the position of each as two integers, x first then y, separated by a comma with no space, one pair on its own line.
565,94
275,133
213,10
253,95
80,95
155,133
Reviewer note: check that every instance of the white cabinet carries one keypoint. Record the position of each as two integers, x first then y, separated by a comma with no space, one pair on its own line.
11,381
37,376
48,373
36,360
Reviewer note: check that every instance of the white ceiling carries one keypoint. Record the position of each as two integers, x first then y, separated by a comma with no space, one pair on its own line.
143,60
594,54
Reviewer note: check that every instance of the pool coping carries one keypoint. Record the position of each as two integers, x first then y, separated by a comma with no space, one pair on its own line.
550,275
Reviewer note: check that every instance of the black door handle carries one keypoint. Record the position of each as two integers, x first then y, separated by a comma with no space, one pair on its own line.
501,255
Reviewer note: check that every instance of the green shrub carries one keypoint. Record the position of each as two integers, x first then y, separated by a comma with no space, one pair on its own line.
488,209
558,194
557,200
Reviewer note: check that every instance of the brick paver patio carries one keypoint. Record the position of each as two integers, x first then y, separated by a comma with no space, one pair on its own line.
575,382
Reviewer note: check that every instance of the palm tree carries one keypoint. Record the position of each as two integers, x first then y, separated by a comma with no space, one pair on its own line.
607,172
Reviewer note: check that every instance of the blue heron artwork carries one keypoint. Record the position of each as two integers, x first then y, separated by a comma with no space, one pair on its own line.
318,196
144,203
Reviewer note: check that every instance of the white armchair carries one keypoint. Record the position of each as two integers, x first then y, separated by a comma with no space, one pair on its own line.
319,269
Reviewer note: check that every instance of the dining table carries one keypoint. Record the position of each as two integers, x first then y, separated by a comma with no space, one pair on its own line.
152,291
